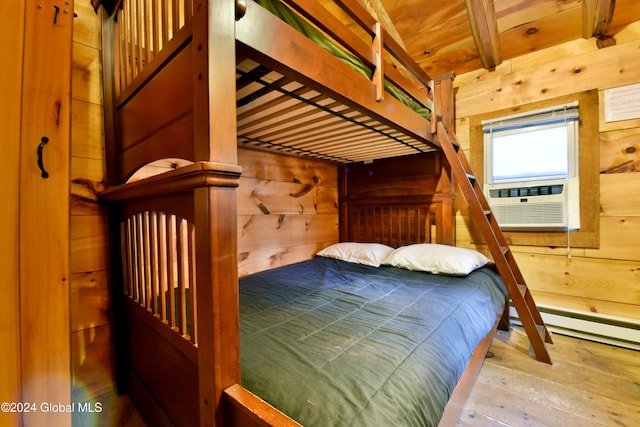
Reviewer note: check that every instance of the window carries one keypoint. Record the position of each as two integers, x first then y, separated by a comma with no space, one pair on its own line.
531,169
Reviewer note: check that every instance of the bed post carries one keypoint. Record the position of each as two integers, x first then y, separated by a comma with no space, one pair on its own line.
443,106
215,206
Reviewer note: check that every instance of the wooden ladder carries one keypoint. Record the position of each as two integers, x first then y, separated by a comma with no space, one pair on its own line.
498,247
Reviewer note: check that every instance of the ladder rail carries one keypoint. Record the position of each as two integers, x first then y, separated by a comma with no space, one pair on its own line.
513,267
497,244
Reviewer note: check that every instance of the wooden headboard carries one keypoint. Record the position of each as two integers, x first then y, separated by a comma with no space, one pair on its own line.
397,201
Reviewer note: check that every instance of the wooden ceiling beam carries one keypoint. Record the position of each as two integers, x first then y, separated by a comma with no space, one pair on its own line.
484,27
596,17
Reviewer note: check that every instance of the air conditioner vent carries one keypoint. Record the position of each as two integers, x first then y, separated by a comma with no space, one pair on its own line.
536,190
552,205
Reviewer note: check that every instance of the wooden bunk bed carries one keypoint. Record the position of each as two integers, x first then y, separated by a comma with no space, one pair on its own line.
195,80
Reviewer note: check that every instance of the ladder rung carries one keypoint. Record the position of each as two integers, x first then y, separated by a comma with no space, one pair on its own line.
522,289
504,250
542,331
471,178
487,212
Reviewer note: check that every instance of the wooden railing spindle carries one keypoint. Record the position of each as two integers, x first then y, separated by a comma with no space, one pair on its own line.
163,265
155,262
146,254
172,270
183,274
192,284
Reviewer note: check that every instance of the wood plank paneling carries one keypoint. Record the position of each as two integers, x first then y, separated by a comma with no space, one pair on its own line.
271,166
91,352
88,244
287,209
86,83
594,278
620,151
602,69
619,195
89,300
91,364
88,128
12,36
87,180
281,231
267,258
603,279
276,197
44,213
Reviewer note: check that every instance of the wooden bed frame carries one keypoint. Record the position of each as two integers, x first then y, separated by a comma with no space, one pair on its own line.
170,84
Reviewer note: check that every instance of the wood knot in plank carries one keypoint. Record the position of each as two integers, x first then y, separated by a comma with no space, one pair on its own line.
264,209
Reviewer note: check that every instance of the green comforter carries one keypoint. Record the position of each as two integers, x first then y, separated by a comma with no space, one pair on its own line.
331,343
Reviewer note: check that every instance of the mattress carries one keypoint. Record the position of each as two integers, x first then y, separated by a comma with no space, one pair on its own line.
332,343
297,22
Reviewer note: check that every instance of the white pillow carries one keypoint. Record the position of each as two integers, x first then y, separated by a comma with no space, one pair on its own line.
437,259
361,253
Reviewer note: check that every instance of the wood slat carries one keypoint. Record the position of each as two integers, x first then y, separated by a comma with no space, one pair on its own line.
165,22
163,261
172,259
193,306
183,274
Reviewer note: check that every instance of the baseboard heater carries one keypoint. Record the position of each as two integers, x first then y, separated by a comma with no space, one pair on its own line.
590,326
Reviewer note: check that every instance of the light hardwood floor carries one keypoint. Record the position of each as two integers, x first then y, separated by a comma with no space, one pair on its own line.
589,384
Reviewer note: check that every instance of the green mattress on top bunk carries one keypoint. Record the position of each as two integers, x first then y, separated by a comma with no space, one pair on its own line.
303,26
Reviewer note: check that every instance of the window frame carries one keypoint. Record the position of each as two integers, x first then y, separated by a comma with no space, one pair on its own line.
588,171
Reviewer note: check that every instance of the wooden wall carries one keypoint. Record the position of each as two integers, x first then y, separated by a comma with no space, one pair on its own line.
12,35
90,330
601,280
287,209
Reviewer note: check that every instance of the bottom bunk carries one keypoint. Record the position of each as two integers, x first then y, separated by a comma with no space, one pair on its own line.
330,342
335,343
323,307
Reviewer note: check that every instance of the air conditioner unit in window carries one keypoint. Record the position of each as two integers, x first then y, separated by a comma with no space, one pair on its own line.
551,205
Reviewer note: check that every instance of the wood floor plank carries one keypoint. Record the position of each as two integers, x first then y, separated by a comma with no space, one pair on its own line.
513,409
597,374
471,418
589,384
569,398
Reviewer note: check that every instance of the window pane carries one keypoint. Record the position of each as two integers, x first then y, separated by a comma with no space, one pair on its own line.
540,153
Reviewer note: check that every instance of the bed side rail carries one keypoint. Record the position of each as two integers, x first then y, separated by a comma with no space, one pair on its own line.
158,258
142,29
245,409
371,54
157,240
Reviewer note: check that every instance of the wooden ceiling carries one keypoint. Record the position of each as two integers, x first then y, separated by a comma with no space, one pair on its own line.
466,35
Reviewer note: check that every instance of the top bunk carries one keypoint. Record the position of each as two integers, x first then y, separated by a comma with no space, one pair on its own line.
330,85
